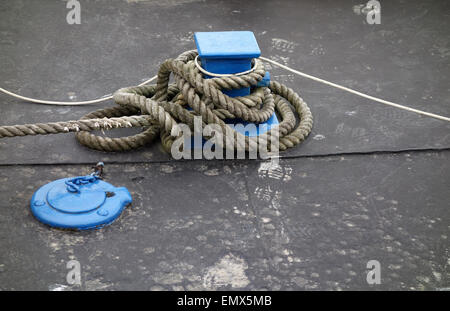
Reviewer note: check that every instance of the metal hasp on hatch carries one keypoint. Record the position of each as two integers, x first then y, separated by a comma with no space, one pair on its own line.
84,202
229,52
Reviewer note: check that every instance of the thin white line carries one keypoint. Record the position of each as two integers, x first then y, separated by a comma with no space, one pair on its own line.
429,114
212,74
101,99
61,103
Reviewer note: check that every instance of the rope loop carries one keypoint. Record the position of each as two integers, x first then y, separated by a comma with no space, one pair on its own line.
159,109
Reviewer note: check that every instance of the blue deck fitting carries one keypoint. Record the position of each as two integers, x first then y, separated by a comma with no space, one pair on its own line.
81,203
229,52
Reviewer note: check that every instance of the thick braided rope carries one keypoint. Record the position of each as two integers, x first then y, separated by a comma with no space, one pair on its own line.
158,109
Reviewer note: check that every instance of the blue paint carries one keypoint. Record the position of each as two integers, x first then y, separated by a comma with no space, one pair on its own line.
227,44
265,80
94,204
228,52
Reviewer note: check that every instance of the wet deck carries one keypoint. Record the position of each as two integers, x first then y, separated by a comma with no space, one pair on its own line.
370,183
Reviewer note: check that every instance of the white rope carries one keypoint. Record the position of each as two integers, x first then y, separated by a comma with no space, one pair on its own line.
108,97
60,103
429,114
212,74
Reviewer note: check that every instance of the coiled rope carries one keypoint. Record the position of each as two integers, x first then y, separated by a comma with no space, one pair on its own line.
160,108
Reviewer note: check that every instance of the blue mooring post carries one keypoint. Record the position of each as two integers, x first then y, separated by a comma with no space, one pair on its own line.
229,52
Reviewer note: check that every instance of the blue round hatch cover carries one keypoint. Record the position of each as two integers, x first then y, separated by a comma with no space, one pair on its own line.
83,202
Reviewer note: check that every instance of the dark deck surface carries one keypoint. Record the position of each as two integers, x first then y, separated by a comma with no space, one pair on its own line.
370,183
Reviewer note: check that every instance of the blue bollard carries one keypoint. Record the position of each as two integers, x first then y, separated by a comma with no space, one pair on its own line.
229,52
